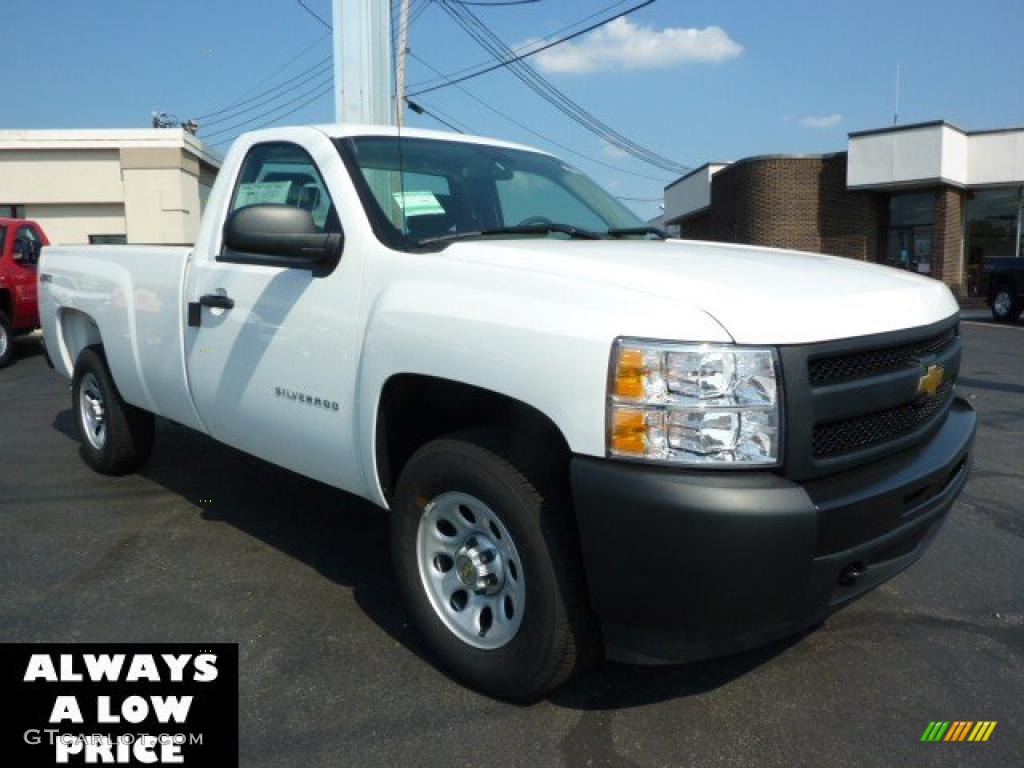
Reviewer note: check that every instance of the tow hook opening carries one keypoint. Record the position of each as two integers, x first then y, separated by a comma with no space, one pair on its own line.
850,573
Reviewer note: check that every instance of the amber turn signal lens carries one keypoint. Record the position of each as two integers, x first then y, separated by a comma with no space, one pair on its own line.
630,370
629,428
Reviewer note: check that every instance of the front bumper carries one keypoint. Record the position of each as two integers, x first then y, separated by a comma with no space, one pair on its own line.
683,565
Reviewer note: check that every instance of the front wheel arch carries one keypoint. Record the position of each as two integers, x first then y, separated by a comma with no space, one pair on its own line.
414,409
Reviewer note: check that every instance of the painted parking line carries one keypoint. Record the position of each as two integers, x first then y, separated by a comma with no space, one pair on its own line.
982,324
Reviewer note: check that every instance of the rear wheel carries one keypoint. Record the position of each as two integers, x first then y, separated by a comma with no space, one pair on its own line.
484,548
117,438
6,341
1006,304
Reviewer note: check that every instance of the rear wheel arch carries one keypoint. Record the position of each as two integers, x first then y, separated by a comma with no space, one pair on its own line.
6,304
414,409
78,331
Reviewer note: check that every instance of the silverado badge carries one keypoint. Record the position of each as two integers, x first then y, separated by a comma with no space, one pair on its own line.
931,381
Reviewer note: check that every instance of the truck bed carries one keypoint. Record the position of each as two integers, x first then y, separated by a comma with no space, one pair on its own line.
131,297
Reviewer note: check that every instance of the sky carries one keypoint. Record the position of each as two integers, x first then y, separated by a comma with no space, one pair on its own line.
693,80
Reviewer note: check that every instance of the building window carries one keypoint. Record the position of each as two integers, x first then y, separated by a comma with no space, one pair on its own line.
907,242
993,227
108,239
12,211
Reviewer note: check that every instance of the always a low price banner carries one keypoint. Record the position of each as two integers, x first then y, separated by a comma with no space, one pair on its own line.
120,704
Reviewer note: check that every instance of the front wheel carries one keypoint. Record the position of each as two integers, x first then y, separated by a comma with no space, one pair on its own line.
1006,304
117,438
487,560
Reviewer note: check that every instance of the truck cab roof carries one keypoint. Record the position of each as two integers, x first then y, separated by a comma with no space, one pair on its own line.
345,130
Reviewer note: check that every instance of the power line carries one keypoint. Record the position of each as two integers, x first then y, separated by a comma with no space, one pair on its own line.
532,52
327,82
420,110
525,47
318,95
288,63
493,44
536,133
323,68
279,86
417,11
314,14
554,96
496,3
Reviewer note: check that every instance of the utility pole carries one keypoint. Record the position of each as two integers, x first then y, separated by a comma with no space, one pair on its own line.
403,54
362,62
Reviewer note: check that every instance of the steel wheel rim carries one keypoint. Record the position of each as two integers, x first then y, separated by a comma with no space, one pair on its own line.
92,411
1002,303
470,570
4,341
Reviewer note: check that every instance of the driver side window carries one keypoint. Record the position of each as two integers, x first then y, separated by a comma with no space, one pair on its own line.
529,196
27,243
285,174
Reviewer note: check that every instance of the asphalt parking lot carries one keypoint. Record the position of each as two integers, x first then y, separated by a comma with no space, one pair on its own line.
208,544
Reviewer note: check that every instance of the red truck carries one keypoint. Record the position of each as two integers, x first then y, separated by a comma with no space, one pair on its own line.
20,243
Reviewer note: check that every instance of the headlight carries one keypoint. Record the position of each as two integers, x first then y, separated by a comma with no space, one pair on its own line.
693,403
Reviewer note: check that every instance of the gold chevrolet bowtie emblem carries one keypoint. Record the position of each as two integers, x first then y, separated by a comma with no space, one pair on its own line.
931,381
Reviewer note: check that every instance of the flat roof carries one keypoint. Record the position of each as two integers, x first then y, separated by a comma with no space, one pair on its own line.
107,138
932,124
698,169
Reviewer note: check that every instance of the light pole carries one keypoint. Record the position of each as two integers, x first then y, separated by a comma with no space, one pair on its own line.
362,62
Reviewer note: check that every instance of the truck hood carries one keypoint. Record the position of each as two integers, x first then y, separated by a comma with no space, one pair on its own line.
758,295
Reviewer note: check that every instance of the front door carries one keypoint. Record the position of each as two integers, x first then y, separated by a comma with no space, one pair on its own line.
274,375
23,276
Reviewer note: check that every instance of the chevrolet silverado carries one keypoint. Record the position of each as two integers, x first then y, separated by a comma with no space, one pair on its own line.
588,437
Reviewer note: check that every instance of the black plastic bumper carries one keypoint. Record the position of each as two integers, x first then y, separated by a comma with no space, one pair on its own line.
684,565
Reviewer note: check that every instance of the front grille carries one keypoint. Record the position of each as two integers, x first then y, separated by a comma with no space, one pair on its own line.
848,435
862,364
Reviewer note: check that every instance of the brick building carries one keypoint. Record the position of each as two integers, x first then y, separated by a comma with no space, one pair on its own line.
929,197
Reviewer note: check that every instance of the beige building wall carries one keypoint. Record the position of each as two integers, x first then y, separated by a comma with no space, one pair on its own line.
71,224
60,176
149,185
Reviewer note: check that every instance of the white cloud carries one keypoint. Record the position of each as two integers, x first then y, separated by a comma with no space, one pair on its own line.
621,44
821,121
610,150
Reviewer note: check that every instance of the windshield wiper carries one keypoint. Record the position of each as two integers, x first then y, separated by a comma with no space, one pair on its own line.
529,229
627,231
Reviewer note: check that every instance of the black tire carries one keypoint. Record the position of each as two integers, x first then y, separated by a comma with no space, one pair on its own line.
6,342
1006,303
530,496
128,439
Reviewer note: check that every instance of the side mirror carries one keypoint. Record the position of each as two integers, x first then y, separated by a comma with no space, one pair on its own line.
35,250
279,235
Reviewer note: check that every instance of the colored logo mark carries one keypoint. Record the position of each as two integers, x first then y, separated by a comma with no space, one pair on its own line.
958,730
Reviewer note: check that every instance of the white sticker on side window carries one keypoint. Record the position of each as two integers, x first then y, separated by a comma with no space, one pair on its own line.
256,192
418,203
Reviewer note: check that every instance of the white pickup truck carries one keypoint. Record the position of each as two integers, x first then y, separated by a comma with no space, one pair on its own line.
588,436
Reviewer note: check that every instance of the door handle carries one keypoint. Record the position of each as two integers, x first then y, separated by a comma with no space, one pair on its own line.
216,301
211,300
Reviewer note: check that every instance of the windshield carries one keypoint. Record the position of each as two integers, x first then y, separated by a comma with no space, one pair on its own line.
425,190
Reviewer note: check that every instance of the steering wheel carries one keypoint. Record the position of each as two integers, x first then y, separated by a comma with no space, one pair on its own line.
534,220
